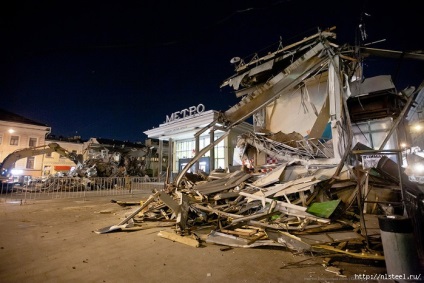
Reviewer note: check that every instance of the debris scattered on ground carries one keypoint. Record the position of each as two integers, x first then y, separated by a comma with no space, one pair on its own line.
239,214
320,196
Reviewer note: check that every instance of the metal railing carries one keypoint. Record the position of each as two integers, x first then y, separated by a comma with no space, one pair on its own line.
71,187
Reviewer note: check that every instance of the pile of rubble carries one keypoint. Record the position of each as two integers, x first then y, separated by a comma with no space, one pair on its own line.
292,206
118,162
322,195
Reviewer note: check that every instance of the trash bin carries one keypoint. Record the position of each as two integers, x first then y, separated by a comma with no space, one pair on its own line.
414,203
400,251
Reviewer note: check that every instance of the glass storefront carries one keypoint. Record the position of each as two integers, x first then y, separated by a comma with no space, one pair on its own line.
180,132
186,149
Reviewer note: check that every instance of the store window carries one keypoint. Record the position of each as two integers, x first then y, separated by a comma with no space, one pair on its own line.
30,162
187,149
203,142
14,140
220,156
32,142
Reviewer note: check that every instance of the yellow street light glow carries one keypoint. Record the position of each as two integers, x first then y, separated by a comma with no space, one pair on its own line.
11,131
417,127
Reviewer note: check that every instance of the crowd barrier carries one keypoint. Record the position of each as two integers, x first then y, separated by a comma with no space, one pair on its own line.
73,187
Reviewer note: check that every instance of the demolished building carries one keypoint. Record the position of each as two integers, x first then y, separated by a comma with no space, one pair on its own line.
113,158
322,164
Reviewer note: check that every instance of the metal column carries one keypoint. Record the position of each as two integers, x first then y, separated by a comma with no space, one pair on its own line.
212,151
160,159
170,159
196,165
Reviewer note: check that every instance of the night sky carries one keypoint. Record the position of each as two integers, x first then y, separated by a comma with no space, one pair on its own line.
114,69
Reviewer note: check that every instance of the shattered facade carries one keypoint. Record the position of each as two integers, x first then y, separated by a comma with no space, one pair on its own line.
317,172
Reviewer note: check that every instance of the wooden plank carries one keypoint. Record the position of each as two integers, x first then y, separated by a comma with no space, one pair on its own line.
240,232
352,254
226,195
257,237
187,240
251,231
249,217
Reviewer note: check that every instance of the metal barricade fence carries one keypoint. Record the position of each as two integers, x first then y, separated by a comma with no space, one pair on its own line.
71,187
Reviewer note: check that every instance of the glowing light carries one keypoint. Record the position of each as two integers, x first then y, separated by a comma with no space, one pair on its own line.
11,131
417,127
17,172
419,168
403,145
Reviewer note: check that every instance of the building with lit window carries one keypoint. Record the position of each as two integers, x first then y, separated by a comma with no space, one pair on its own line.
183,131
18,132
30,140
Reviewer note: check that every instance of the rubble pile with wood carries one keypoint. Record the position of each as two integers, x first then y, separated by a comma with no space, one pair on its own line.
302,209
324,192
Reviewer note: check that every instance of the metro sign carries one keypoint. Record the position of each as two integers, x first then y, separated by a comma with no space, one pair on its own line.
191,111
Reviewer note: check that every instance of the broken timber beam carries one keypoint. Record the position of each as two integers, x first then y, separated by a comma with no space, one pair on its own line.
187,240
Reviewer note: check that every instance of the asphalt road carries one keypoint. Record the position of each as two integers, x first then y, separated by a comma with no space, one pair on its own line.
53,241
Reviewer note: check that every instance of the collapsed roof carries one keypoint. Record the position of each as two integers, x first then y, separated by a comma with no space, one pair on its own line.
314,197
301,90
